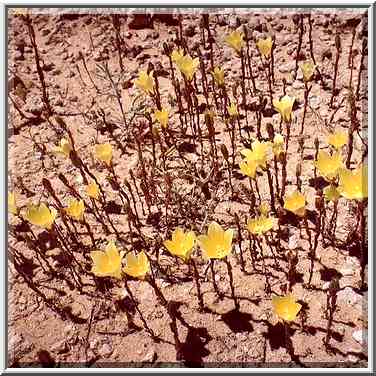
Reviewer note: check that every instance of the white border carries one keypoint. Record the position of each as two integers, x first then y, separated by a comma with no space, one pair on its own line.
3,329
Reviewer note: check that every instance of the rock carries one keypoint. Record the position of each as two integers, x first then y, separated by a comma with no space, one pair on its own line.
314,102
286,68
361,336
105,350
190,31
151,356
59,347
298,85
349,296
18,347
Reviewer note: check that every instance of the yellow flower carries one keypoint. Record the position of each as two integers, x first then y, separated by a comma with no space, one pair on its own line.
264,208
137,266
177,54
92,190
145,82
331,193
308,69
233,109
217,243
260,225
328,165
162,117
258,154
188,66
235,40
265,46
248,168
338,139
353,184
219,76
181,244
284,107
40,215
103,152
12,206
278,144
286,307
296,203
107,263
76,209
64,148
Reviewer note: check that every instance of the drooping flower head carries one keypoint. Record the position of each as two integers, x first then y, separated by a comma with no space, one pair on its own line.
63,148
265,46
145,82
92,190
188,66
353,184
233,110
338,139
162,117
219,76
40,215
235,40
278,144
76,209
12,205
137,266
308,69
295,203
107,263
217,244
284,107
331,193
329,165
181,244
286,307
260,225
103,152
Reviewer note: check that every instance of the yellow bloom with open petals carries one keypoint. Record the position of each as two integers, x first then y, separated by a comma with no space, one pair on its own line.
338,139
137,266
260,225
162,117
188,66
296,203
248,168
92,190
107,263
64,147
12,206
40,215
286,307
353,184
264,208
145,82
177,54
233,109
329,165
259,153
284,107
76,209
181,244
308,69
235,40
331,193
265,46
278,144
217,244
219,76
103,152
